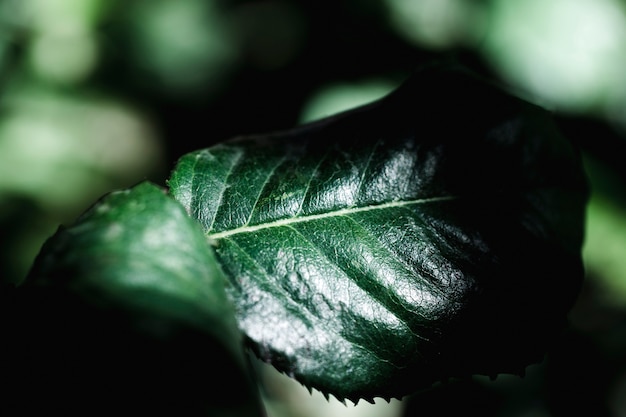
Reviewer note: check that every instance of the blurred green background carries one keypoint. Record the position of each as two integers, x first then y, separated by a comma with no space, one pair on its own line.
97,95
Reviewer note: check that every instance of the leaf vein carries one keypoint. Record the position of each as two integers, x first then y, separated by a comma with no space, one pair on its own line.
267,180
340,212
395,256
226,178
308,184
365,169
346,274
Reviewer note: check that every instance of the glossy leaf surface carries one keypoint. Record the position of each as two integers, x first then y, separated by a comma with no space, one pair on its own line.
435,233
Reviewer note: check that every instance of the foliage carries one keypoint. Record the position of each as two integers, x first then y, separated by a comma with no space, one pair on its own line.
369,254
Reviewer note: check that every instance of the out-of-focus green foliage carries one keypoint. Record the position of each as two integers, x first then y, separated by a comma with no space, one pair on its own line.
335,98
53,145
566,54
62,44
605,247
180,45
439,24
569,54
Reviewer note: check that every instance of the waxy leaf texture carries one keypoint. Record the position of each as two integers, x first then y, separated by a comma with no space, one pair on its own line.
124,243
434,233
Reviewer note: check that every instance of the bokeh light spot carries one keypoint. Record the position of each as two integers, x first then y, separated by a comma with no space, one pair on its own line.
568,53
437,23
64,58
338,97
64,151
604,252
180,46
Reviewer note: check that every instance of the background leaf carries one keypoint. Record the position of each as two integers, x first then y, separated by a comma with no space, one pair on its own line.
435,233
126,311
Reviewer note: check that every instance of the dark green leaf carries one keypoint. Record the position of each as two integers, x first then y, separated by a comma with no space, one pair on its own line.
435,233
132,290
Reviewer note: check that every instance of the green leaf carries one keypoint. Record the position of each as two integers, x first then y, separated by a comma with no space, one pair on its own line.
435,233
135,294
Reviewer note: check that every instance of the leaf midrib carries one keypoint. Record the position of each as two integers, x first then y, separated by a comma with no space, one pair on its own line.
336,213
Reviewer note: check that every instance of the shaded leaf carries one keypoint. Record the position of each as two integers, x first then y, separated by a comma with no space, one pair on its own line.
129,304
435,233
